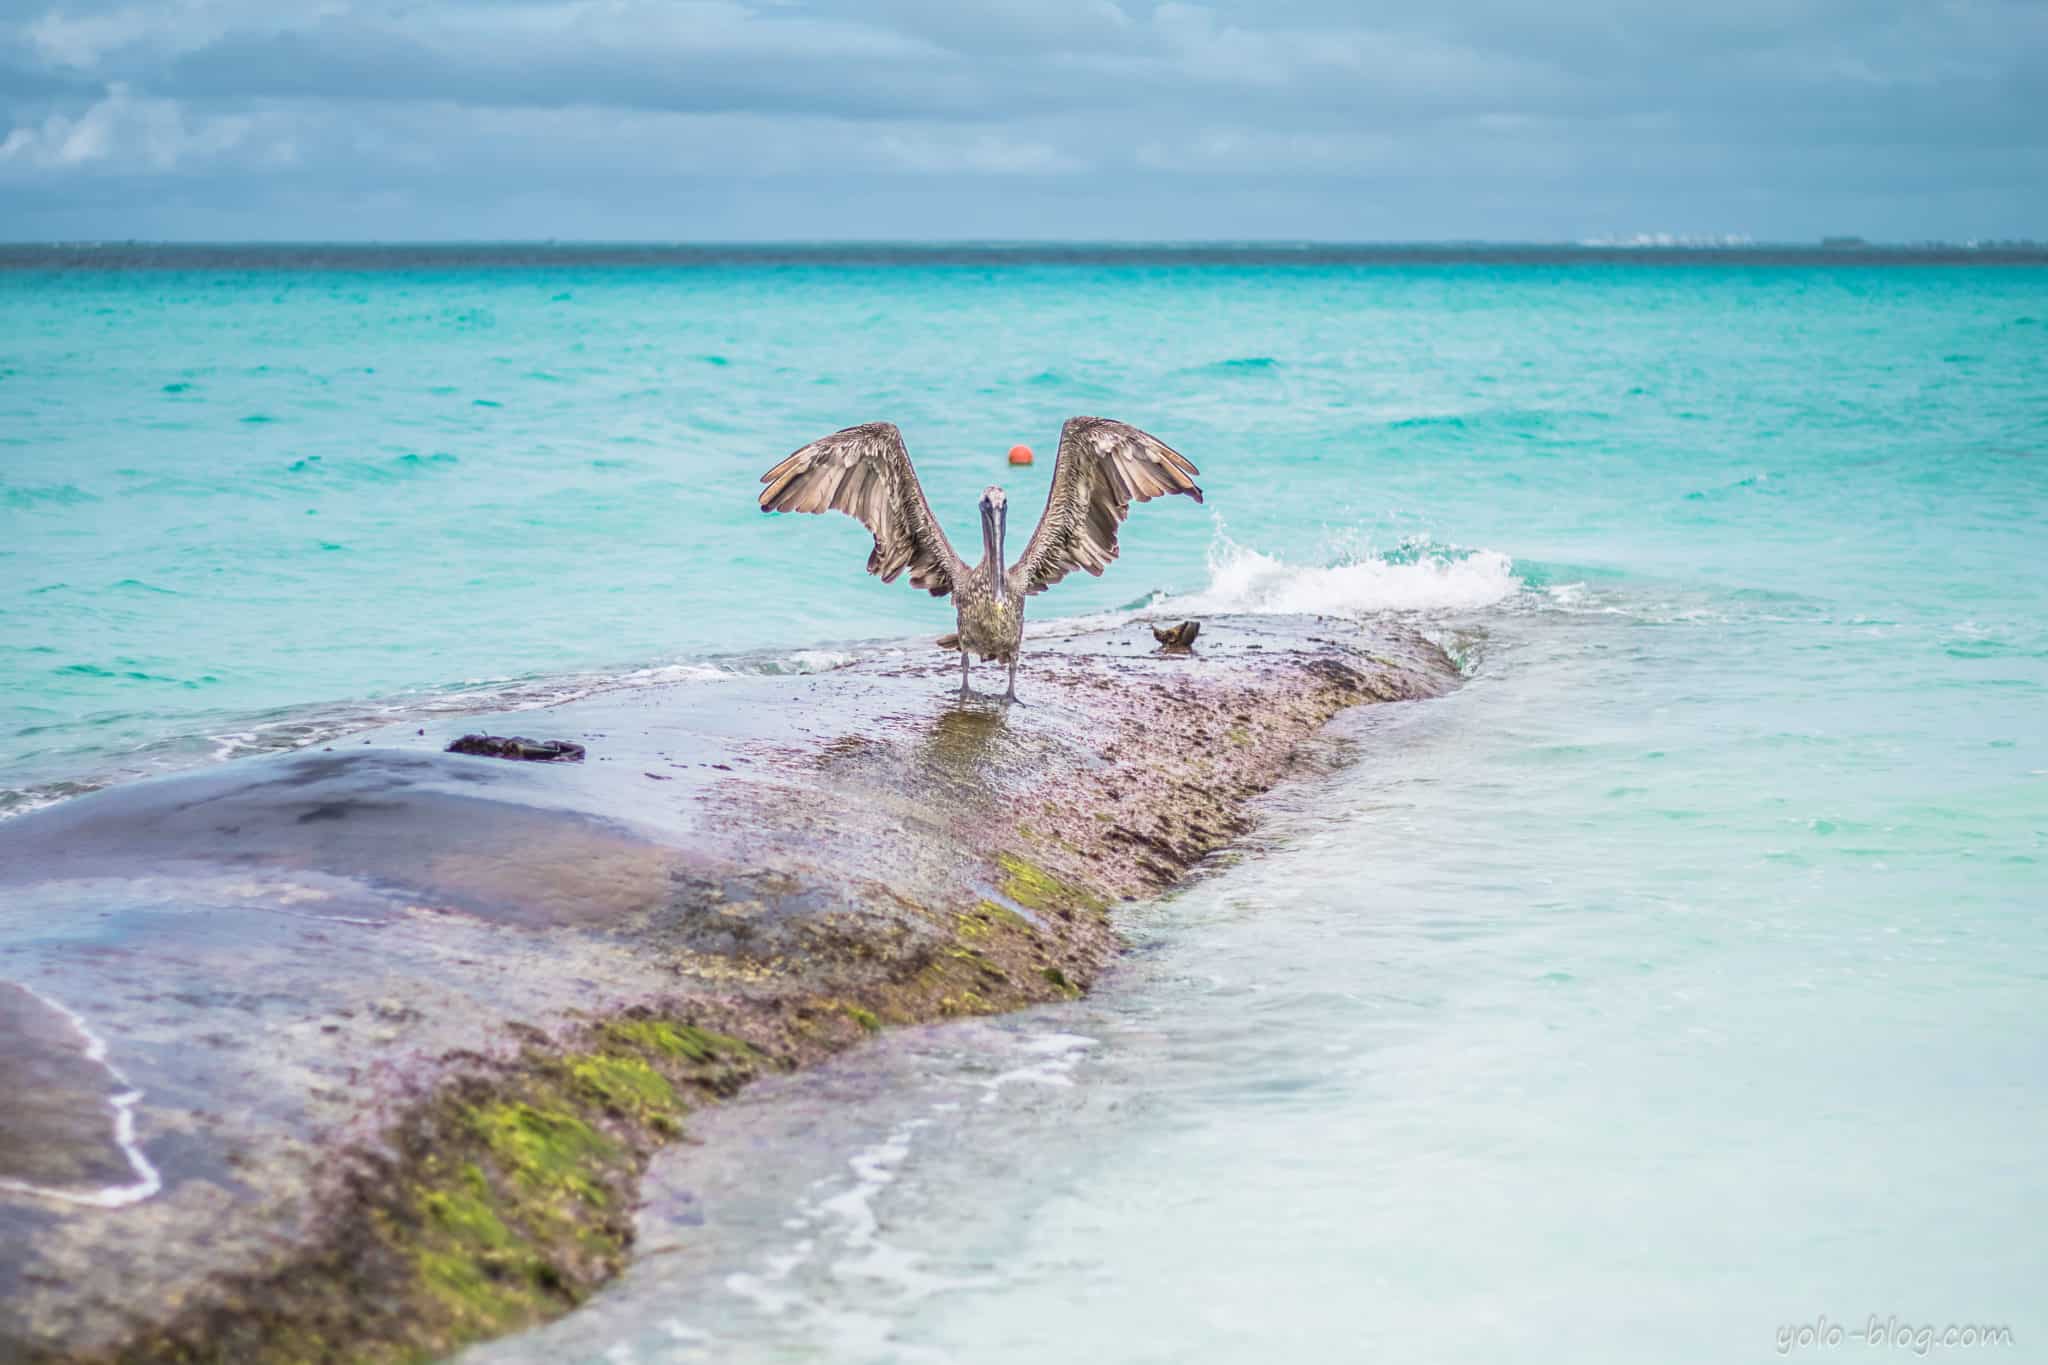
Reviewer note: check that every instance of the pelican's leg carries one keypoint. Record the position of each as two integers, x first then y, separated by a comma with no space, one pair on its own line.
964,693
1011,695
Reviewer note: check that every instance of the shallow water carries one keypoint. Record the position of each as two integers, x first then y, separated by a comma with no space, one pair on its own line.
1675,982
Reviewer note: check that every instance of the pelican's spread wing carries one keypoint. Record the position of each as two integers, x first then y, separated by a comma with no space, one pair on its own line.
865,472
1103,468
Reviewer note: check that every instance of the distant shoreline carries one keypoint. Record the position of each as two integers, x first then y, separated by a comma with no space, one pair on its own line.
143,256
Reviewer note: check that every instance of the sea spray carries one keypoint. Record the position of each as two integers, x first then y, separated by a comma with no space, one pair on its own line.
1419,576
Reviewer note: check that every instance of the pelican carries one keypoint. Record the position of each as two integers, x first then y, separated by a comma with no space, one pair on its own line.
864,471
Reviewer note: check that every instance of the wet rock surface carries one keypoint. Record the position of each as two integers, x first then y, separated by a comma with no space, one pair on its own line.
64,1129
358,1054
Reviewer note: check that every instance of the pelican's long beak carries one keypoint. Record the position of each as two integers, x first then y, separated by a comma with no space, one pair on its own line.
995,512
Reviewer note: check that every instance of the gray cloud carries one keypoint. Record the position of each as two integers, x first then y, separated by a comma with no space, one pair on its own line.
1089,118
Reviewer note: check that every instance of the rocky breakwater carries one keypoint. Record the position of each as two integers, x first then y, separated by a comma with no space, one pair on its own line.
358,1053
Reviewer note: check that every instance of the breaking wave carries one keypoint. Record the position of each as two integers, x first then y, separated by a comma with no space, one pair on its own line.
1418,575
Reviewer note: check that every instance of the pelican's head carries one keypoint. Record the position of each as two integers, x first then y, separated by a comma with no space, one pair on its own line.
994,513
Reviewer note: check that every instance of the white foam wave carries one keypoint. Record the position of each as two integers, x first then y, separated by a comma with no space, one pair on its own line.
1420,576
842,1227
1058,1055
652,676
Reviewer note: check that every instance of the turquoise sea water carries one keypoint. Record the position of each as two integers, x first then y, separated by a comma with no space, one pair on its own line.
1678,980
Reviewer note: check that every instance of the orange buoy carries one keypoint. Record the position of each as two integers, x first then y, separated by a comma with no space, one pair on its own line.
1020,454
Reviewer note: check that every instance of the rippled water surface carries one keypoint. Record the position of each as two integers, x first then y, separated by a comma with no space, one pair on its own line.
1677,981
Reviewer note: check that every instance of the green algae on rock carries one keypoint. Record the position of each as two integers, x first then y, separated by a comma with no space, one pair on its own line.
407,1026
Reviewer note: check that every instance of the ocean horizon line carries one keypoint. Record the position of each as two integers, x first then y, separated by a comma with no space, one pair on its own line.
99,253
1732,241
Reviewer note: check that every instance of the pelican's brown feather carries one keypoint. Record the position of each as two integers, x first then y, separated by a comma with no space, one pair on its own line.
865,472
1103,467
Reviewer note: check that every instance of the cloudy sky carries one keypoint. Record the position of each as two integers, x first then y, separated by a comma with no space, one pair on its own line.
1090,119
